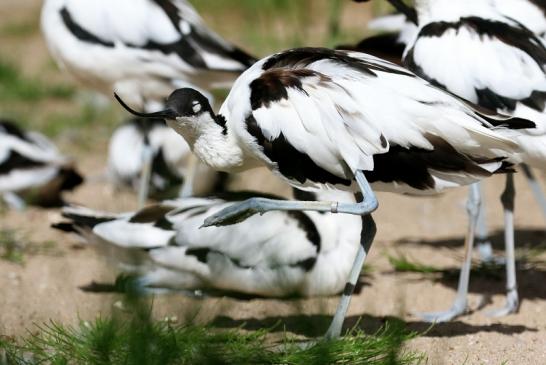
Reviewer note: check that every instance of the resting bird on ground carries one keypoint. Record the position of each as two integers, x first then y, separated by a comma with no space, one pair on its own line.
319,117
32,170
142,49
277,255
481,53
170,166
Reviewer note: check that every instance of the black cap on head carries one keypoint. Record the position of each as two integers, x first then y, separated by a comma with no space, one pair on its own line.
188,102
181,103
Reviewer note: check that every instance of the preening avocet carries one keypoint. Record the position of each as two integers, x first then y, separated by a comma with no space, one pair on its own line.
170,168
142,49
320,117
276,255
32,169
477,51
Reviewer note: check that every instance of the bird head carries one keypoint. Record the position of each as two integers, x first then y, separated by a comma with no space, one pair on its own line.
185,111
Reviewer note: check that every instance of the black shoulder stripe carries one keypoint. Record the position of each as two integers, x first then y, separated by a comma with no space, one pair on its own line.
292,163
17,161
305,56
272,85
79,32
518,37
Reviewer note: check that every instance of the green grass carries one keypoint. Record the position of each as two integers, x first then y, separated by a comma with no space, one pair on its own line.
479,270
141,341
402,264
10,247
14,247
14,86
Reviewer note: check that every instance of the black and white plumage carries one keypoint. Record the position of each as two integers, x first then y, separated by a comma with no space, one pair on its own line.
170,155
482,51
32,169
142,49
278,255
320,117
314,115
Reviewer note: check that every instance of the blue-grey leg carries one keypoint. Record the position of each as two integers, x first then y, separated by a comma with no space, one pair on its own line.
145,175
483,244
366,238
14,201
535,187
460,303
512,299
238,212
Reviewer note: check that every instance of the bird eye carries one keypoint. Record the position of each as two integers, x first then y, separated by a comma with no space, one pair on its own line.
196,107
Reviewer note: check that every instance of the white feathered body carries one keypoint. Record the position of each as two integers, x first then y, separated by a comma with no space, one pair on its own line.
476,50
274,255
142,49
315,116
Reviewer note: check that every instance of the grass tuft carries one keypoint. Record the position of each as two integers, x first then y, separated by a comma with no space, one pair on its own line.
14,246
403,264
137,339
15,86
110,341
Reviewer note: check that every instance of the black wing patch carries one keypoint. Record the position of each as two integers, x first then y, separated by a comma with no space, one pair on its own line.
292,163
410,165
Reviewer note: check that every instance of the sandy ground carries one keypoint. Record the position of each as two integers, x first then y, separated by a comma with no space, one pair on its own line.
428,231
425,230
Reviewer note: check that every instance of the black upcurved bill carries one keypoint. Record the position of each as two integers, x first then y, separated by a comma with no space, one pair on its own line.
165,114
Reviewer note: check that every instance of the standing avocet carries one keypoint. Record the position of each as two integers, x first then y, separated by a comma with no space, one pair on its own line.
320,117
32,169
141,49
277,255
478,51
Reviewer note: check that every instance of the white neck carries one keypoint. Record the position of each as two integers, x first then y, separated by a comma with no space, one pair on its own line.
207,140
